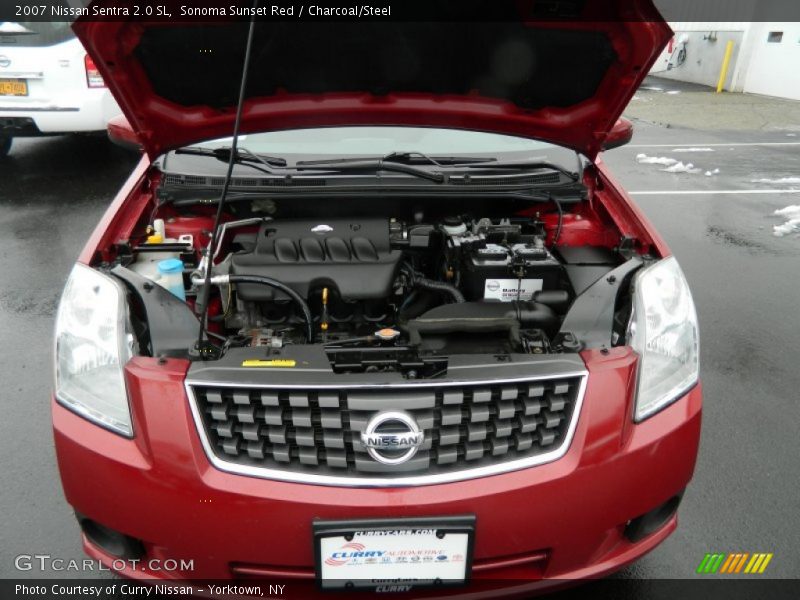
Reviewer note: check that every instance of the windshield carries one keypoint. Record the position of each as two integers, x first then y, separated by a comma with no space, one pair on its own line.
380,141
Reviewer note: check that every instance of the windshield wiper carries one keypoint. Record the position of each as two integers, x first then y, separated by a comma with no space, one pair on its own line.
243,156
400,162
522,165
415,157
396,162
278,166
368,165
410,157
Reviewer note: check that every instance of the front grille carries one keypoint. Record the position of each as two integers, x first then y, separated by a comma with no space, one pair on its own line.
303,433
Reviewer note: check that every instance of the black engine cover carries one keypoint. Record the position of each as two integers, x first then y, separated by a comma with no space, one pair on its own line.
352,257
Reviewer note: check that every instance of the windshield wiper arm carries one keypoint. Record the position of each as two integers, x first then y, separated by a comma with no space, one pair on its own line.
523,165
369,165
243,155
271,163
399,162
414,156
410,157
395,162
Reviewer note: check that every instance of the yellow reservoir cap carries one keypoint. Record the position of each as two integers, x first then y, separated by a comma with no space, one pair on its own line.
156,238
274,362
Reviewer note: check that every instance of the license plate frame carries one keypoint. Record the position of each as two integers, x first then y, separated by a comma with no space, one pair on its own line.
366,532
10,82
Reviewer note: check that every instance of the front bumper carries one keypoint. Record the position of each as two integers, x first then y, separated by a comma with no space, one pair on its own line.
560,521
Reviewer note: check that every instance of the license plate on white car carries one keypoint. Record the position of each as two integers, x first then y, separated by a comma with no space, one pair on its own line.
393,555
13,87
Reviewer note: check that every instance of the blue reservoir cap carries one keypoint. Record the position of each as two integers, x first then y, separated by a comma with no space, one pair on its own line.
170,265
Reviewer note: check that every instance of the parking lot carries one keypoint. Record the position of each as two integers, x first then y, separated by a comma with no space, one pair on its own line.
719,224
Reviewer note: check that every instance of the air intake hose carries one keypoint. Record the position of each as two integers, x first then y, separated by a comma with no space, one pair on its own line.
274,283
424,283
439,286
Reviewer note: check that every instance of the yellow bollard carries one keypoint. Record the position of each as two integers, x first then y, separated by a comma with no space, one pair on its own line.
725,64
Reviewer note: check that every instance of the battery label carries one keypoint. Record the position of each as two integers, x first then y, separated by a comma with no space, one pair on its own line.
508,290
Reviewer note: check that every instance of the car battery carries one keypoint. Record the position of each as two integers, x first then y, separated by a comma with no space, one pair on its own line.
505,273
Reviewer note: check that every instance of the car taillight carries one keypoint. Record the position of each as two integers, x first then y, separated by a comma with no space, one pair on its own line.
93,77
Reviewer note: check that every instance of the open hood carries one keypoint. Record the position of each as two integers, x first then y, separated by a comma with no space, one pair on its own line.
564,80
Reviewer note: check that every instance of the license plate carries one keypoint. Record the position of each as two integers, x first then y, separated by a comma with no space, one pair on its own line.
13,87
393,555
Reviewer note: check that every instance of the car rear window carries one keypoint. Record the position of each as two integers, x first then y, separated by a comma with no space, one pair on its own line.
34,33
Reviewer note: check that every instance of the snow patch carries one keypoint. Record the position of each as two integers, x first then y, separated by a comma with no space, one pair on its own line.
792,225
781,180
654,160
679,167
693,150
673,92
671,165
789,211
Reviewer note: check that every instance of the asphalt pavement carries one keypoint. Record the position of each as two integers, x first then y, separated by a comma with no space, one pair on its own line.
681,104
720,226
52,194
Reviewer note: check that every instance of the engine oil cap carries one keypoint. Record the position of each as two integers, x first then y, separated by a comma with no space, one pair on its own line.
387,334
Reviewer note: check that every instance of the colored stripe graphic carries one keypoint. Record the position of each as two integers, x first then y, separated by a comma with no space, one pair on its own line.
729,562
701,568
753,564
741,562
717,563
710,563
765,563
733,563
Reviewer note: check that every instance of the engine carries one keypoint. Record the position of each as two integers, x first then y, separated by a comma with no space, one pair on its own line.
353,259
466,285
375,293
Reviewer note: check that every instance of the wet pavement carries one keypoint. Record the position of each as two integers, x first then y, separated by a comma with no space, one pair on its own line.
52,193
744,279
679,104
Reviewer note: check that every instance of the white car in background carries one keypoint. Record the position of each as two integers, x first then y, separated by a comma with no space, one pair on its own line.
48,84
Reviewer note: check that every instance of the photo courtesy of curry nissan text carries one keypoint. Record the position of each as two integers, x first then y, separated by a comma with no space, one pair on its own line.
371,313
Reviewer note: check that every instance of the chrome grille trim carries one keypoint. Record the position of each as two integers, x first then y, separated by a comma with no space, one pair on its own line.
385,482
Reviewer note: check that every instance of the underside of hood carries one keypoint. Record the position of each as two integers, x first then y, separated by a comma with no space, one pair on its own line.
564,80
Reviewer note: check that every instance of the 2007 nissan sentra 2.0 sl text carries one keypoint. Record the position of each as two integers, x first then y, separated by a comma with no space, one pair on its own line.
403,329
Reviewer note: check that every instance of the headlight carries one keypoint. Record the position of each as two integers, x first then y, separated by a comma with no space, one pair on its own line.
663,330
93,343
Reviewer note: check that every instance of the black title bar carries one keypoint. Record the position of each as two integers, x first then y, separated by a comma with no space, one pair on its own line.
12,11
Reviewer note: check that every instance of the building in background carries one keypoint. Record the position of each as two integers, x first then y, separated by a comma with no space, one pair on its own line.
766,54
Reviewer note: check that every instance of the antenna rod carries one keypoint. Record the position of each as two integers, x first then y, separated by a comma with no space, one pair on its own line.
203,348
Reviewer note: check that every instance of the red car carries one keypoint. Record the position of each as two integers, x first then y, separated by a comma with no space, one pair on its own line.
437,346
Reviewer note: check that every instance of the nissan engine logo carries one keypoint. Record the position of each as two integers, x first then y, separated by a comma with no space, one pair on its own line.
392,438
5,61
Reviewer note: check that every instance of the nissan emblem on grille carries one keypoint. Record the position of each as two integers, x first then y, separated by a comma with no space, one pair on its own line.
392,438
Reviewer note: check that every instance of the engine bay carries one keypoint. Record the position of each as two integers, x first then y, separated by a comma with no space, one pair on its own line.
378,293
